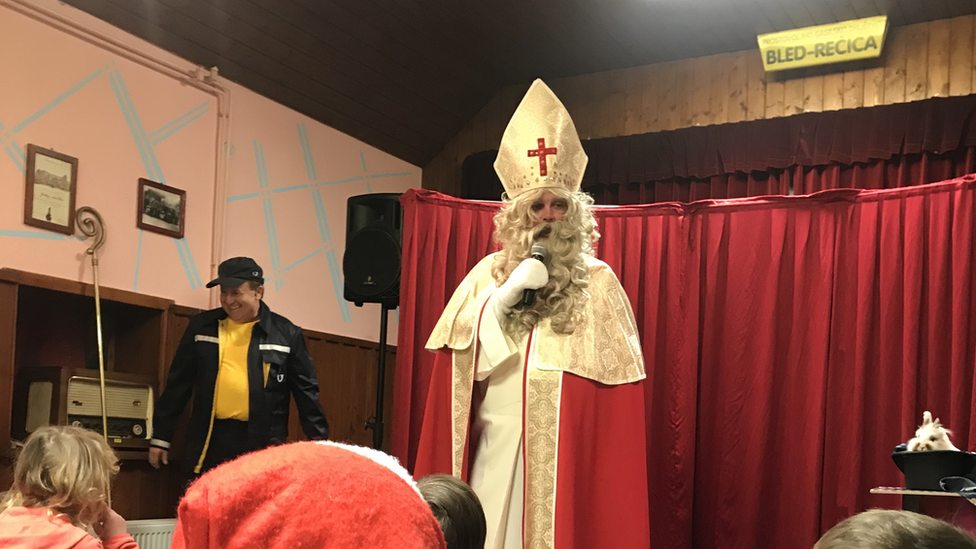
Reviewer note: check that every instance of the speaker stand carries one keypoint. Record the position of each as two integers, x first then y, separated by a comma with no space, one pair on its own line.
376,422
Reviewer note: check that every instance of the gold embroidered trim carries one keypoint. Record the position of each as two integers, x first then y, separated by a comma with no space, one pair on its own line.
543,391
462,384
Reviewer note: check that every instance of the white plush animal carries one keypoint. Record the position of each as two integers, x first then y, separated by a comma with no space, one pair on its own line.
931,435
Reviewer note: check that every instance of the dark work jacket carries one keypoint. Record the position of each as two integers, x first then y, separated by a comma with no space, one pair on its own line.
275,340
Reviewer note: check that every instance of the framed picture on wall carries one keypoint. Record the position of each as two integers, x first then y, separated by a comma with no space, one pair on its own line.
161,208
49,201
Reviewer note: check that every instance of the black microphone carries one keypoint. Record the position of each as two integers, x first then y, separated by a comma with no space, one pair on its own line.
540,253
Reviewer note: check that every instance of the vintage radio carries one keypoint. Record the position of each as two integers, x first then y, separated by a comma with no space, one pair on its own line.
71,396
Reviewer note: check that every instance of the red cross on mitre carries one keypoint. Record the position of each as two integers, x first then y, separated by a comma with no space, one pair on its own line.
541,152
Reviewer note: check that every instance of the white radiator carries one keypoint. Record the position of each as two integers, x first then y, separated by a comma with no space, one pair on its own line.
152,534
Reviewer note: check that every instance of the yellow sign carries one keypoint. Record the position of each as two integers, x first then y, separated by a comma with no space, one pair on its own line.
834,43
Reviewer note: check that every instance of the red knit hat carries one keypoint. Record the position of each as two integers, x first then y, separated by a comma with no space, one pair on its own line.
305,495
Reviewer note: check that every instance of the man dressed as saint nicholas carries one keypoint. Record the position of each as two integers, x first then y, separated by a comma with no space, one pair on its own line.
536,397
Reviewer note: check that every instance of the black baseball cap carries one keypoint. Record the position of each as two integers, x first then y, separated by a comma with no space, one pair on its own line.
236,271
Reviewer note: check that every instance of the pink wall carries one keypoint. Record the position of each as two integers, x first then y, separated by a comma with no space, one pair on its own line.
124,120
290,177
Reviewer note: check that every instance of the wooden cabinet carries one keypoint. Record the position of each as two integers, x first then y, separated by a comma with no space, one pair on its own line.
47,331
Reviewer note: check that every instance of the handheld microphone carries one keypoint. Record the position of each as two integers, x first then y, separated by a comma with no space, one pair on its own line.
539,253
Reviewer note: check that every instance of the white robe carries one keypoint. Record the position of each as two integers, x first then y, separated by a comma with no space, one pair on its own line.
497,469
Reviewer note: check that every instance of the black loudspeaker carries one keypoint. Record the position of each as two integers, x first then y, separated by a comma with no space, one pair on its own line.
371,263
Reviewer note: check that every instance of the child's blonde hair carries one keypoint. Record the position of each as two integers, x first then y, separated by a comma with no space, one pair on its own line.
66,469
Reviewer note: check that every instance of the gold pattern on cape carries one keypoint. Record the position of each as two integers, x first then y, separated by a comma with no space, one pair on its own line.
540,124
462,383
544,391
609,353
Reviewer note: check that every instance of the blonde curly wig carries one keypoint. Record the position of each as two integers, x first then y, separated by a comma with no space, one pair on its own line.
570,244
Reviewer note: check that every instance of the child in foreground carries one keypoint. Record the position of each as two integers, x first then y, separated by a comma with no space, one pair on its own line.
59,497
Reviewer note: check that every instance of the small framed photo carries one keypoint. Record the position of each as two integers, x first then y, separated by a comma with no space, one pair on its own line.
49,201
161,208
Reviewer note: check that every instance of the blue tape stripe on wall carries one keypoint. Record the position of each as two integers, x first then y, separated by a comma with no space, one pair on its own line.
384,175
135,278
128,119
337,284
189,256
302,260
292,188
179,127
57,100
32,234
20,151
205,104
334,271
307,151
13,156
242,197
362,158
139,128
153,171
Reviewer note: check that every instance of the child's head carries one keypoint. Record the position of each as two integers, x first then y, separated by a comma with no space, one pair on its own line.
889,529
66,469
457,508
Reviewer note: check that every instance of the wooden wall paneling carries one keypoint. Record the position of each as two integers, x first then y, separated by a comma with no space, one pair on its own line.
685,93
938,59
721,75
895,60
347,370
972,80
633,101
668,112
793,95
8,340
756,87
733,87
567,90
611,118
599,96
833,93
775,96
853,89
650,98
737,108
585,104
874,86
699,112
961,55
813,93
916,71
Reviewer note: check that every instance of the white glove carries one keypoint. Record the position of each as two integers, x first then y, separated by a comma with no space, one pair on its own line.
531,274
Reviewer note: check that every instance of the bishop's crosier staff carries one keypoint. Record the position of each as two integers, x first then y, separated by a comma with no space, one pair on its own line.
90,224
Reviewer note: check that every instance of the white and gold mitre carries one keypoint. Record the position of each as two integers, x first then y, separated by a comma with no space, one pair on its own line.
540,147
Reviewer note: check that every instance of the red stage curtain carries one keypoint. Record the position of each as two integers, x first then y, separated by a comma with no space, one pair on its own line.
791,343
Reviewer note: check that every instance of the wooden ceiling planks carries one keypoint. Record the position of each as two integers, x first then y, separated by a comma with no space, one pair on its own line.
406,75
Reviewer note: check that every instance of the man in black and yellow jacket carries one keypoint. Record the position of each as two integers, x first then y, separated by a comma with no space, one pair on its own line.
240,362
